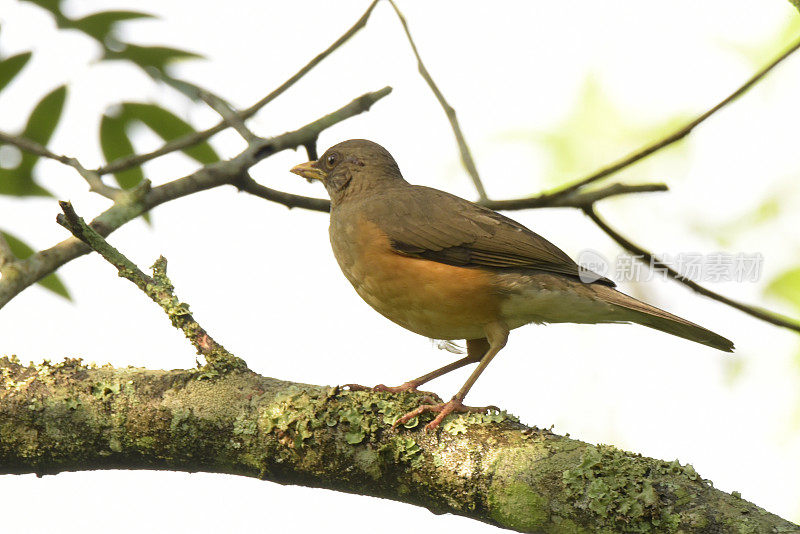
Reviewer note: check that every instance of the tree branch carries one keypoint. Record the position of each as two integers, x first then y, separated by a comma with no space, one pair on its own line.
92,178
576,199
6,254
70,416
466,155
130,204
649,258
198,137
681,132
158,288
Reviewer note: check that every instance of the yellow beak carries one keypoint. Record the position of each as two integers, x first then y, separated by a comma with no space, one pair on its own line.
308,171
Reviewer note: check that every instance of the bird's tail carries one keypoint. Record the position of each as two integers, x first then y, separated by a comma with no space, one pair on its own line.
639,312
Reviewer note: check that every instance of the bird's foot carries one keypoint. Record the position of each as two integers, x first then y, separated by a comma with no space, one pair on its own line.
444,409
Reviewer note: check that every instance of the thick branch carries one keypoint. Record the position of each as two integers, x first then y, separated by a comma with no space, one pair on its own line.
649,258
69,417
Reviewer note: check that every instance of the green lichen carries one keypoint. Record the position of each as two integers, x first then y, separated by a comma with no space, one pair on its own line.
244,425
619,489
458,423
516,506
406,450
105,390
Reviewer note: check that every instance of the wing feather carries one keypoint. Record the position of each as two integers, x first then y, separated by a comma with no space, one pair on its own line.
441,227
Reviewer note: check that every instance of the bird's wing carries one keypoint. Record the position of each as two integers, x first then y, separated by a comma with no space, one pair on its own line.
438,226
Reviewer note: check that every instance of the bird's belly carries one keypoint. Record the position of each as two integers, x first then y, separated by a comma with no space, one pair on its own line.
432,299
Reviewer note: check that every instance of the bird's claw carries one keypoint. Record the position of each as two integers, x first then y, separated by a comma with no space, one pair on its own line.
444,409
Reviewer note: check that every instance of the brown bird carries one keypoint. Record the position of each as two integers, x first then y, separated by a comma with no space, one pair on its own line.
447,268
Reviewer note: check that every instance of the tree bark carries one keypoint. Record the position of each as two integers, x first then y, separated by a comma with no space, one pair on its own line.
70,416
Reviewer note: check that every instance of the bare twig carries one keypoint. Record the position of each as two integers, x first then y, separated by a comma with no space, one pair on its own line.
158,288
32,146
681,132
6,254
576,199
197,137
466,156
142,199
230,115
649,258
247,184
92,178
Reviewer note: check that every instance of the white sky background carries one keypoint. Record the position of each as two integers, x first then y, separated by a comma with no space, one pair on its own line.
263,281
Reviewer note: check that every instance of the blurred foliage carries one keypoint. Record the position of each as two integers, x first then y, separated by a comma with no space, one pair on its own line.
17,178
42,122
11,66
22,251
116,143
757,53
786,287
766,211
595,133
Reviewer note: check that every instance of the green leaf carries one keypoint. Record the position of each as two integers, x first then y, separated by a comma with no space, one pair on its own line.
11,66
169,126
100,25
150,57
40,127
115,144
786,286
16,183
45,116
22,251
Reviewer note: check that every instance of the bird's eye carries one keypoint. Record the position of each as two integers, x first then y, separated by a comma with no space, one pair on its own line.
332,159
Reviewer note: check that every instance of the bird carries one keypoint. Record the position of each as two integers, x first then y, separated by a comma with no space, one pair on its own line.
450,269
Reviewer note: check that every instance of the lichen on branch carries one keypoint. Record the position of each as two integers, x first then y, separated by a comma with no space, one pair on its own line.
72,416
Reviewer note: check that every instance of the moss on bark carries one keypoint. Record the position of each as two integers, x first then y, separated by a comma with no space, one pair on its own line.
70,416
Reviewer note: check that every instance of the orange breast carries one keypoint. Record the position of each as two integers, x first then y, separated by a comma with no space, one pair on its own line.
430,298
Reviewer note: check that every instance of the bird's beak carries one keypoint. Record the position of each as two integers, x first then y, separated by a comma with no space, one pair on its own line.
308,171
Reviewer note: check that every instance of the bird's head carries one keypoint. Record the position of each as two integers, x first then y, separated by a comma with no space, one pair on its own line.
352,167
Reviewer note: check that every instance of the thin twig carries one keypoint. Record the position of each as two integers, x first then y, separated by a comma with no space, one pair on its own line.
197,137
681,132
466,156
215,102
230,115
247,184
6,254
158,288
649,258
92,178
576,199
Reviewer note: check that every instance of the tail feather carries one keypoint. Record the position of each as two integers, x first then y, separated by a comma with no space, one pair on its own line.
639,312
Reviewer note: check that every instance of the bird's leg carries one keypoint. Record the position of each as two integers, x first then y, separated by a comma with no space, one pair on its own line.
496,336
476,348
